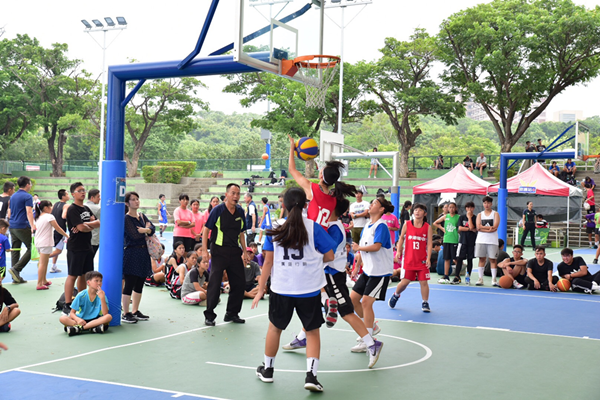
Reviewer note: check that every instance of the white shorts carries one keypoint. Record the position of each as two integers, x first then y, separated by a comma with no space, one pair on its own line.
192,298
486,250
44,249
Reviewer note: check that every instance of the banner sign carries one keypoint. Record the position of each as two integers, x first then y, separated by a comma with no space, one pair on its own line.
541,236
527,189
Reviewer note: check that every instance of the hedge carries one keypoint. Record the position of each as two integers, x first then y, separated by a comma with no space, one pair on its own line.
188,166
162,174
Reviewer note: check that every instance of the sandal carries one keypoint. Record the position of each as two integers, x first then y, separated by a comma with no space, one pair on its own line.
48,283
43,287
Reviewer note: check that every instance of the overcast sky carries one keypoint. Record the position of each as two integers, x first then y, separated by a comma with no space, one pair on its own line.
168,30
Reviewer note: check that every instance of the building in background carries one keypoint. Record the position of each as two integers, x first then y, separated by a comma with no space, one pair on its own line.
568,115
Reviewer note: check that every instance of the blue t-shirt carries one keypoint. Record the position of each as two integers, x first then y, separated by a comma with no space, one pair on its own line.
18,212
86,309
337,236
4,245
568,165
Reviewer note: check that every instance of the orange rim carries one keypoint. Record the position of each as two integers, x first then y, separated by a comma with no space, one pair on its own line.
303,62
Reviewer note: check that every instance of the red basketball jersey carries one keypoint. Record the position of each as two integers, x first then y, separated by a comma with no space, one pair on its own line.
415,246
321,206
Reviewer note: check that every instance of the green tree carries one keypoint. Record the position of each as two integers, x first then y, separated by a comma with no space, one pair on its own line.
167,103
404,91
59,96
508,55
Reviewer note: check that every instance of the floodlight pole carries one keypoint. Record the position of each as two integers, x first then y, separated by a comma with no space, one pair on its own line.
103,29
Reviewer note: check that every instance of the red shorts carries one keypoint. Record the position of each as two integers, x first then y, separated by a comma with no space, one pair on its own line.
415,274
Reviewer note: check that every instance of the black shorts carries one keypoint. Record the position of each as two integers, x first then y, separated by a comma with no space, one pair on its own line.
590,229
250,286
308,309
336,287
450,251
372,286
465,251
80,262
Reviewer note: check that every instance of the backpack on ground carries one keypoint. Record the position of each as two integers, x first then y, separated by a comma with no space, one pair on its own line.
60,303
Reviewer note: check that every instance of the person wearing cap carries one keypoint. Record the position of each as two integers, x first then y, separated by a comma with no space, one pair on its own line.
252,271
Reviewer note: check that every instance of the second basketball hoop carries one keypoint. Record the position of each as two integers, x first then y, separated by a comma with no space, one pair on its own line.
316,72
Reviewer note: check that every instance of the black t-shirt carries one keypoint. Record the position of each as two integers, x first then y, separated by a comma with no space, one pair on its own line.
57,210
5,298
225,226
529,216
4,205
529,149
467,237
346,219
540,271
565,269
468,161
80,241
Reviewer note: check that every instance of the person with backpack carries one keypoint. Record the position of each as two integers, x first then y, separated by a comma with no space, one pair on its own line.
136,259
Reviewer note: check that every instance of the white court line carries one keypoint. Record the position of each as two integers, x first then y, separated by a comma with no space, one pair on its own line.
175,393
473,327
123,345
427,355
499,293
493,329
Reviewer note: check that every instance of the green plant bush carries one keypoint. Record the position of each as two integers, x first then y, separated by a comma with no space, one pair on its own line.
188,166
162,174
15,179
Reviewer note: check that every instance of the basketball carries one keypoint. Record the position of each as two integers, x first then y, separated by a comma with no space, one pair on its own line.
307,148
506,282
563,285
265,156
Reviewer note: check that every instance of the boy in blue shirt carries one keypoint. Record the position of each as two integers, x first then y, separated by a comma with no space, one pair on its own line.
89,310
4,247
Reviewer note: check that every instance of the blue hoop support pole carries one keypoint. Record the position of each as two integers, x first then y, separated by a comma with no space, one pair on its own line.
203,33
268,160
395,199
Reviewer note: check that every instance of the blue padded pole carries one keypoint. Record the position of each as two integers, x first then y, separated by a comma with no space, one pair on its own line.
203,33
112,217
268,151
395,199
502,196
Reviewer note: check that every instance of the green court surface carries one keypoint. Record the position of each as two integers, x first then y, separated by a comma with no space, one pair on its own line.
477,342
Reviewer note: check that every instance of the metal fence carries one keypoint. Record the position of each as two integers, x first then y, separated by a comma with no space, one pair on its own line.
245,164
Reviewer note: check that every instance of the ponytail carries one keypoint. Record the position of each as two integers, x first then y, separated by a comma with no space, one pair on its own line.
342,190
292,234
40,206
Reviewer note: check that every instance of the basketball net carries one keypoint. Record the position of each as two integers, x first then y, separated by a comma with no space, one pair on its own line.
317,77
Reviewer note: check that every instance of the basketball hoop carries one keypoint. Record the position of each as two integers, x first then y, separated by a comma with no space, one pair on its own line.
316,76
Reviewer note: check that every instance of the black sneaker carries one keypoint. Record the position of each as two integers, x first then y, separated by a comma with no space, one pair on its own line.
595,261
98,329
456,281
66,311
425,307
129,318
73,330
265,374
140,317
311,383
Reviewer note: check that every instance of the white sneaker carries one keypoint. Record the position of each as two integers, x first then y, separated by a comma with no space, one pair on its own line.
495,283
361,347
595,287
376,329
444,281
517,285
479,282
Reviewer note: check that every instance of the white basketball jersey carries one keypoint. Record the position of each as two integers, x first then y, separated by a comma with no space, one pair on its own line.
341,256
375,263
297,272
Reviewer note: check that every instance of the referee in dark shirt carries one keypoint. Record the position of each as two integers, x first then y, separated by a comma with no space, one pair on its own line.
528,224
228,224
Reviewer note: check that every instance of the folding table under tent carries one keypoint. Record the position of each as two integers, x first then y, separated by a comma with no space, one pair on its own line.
459,185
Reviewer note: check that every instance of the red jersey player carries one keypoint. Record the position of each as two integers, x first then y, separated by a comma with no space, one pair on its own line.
417,235
321,195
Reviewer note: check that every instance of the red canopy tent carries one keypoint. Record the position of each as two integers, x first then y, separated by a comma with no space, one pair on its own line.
457,180
542,180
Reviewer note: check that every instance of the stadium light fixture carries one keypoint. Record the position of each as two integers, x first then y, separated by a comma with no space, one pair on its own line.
121,21
109,21
98,23
87,24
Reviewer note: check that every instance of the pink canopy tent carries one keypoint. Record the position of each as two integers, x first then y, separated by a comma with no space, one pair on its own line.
457,180
542,180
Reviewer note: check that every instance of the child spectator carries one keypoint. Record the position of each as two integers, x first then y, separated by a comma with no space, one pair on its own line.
4,247
175,260
44,239
193,289
252,272
190,262
451,237
162,214
89,310
590,199
590,229
11,311
436,248
265,221
158,270
467,227
541,222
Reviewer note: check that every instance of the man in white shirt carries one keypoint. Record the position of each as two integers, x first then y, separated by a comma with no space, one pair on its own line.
359,211
481,163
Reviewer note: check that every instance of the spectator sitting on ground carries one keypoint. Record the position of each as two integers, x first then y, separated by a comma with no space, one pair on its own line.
193,289
158,270
576,271
481,164
10,312
439,162
539,272
515,267
570,167
554,170
191,259
436,247
468,163
175,260
541,222
252,271
92,308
